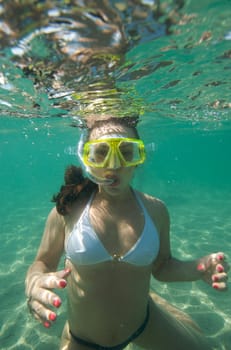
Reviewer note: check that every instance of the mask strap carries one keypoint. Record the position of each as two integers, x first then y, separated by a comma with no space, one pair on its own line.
112,136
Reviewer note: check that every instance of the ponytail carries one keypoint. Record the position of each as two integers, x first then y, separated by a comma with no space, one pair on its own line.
76,187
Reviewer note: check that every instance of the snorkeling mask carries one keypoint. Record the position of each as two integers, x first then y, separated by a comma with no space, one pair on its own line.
113,147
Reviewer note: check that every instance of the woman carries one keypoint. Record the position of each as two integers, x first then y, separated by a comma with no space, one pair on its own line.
115,238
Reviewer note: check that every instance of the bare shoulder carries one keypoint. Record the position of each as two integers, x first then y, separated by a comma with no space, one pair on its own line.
156,209
55,219
153,203
55,226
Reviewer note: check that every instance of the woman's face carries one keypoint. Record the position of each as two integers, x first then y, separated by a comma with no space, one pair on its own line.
120,175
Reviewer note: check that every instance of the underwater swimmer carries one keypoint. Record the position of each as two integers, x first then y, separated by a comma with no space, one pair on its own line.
114,238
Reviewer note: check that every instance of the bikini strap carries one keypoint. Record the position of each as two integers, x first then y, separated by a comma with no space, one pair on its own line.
139,200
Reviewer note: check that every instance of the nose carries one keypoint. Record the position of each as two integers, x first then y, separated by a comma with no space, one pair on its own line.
114,161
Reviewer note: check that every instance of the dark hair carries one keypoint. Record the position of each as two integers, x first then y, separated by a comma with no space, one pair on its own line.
130,122
76,188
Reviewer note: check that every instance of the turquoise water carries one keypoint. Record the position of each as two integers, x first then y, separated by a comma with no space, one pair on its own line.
184,86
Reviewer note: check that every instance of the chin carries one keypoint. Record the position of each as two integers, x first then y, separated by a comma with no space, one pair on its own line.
116,190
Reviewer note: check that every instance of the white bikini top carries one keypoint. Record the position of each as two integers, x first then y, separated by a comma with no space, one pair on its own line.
83,246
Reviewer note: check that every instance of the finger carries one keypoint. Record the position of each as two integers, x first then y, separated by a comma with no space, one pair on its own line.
219,268
47,297
220,256
222,268
55,279
201,267
38,310
222,261
63,273
43,314
220,277
220,286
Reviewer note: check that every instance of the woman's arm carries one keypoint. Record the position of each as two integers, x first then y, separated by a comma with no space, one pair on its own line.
211,268
41,276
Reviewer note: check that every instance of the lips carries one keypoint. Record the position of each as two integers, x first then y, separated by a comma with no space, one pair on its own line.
114,178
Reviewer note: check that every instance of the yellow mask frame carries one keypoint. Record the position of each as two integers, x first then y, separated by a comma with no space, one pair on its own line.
99,153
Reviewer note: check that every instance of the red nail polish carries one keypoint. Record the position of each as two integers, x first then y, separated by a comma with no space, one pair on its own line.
215,278
200,267
62,284
220,257
220,268
52,316
56,302
46,324
215,286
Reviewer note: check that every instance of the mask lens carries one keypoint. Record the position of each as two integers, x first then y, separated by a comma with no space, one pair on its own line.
130,151
97,153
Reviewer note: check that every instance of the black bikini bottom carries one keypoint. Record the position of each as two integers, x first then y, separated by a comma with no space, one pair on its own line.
116,347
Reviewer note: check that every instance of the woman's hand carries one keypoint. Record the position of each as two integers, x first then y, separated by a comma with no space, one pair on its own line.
214,270
41,297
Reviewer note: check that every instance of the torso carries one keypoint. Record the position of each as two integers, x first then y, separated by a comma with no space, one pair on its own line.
129,236
102,290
